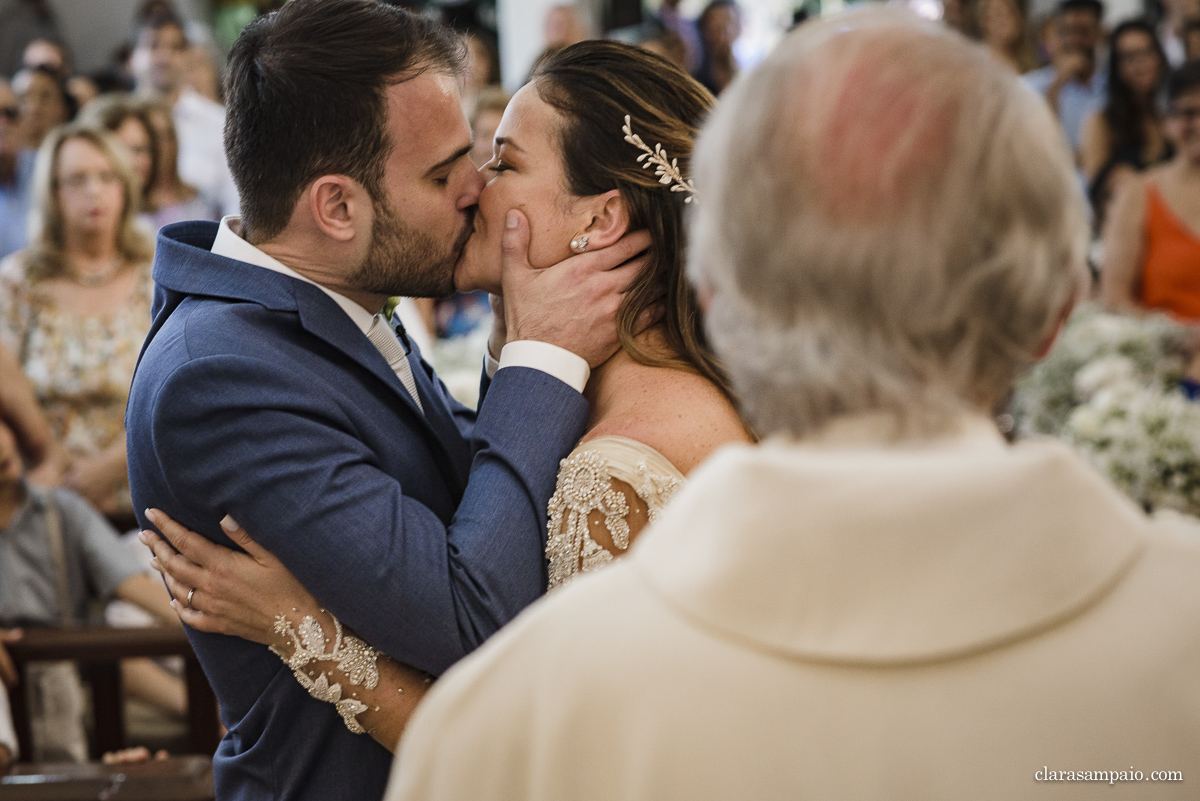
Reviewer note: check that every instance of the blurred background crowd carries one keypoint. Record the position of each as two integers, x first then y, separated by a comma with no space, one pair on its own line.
111,124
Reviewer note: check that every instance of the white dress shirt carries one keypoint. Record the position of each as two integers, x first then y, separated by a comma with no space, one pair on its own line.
567,367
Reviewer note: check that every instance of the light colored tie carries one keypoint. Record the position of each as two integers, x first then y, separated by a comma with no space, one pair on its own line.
388,344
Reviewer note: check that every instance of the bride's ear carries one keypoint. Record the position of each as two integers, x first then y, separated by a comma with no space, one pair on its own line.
609,220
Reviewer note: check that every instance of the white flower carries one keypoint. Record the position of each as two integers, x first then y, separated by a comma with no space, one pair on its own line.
1104,373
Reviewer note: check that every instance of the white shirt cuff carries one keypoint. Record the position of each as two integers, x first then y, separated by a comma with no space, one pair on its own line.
568,368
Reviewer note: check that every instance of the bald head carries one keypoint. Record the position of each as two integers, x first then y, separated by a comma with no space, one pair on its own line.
891,210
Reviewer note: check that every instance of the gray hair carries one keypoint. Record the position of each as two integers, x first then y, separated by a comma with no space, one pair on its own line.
887,222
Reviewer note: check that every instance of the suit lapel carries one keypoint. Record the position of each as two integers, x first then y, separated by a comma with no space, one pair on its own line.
437,413
318,317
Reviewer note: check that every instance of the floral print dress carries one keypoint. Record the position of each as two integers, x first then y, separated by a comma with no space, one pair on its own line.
80,366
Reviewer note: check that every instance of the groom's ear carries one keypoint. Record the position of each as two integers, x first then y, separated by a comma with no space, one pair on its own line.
610,220
336,203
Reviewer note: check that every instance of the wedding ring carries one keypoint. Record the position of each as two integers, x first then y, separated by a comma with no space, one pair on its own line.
191,592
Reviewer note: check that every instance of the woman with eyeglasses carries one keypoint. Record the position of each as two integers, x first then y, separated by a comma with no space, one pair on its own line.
1126,136
1152,246
75,307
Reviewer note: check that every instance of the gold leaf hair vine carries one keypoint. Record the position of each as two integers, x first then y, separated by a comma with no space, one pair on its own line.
666,169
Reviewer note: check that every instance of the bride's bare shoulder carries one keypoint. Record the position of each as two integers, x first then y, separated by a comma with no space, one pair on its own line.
680,414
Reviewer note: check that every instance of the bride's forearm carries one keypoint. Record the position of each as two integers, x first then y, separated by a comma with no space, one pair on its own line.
372,692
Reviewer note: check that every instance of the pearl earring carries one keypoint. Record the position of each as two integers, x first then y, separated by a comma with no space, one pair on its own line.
579,243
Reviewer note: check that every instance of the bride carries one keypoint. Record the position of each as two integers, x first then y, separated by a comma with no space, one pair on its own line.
597,144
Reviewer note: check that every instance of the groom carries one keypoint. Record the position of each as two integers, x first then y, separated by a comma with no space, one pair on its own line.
270,387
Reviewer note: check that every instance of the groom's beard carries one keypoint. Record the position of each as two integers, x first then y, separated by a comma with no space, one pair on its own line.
408,261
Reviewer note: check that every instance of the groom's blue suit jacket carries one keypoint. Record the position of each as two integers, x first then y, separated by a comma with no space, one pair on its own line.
256,396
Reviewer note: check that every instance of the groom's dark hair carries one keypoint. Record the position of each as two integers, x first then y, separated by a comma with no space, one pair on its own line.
305,94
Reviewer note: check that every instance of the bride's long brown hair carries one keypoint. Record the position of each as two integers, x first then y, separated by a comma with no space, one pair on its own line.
593,85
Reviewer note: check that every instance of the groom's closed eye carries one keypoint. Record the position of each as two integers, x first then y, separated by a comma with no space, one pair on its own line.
440,173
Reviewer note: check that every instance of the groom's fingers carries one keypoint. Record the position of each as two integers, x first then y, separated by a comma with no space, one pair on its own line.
650,317
631,245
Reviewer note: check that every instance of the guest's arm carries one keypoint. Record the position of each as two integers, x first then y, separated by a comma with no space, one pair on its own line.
1124,249
19,408
147,593
1094,147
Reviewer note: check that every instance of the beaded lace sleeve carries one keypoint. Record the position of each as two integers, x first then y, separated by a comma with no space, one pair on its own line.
599,485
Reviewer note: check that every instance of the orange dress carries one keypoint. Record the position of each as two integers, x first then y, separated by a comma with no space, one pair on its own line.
1171,270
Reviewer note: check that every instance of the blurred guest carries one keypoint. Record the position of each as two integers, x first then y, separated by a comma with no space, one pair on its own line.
47,53
22,21
158,63
1191,39
483,69
171,199
485,118
668,45
83,89
1003,28
484,62
1152,245
684,28
1126,136
57,556
45,103
1047,39
720,26
146,131
16,174
20,412
957,15
127,120
1072,84
563,27
200,74
75,304
1172,30
884,600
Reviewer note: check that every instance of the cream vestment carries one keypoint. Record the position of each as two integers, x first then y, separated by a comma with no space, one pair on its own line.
840,620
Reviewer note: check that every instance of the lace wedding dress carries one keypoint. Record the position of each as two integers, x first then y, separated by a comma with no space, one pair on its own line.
604,485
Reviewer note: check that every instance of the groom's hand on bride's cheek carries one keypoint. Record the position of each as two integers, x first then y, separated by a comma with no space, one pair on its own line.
574,303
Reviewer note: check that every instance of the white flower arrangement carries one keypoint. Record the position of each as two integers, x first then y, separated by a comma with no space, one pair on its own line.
1111,388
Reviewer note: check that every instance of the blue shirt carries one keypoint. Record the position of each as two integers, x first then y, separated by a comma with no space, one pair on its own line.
94,558
1076,102
15,203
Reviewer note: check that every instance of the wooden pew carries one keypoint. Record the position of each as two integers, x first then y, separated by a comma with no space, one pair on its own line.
99,650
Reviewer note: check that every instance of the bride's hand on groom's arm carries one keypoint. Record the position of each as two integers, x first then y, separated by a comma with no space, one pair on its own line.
239,594
572,304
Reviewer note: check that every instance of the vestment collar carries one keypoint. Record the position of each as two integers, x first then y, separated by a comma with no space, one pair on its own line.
840,550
